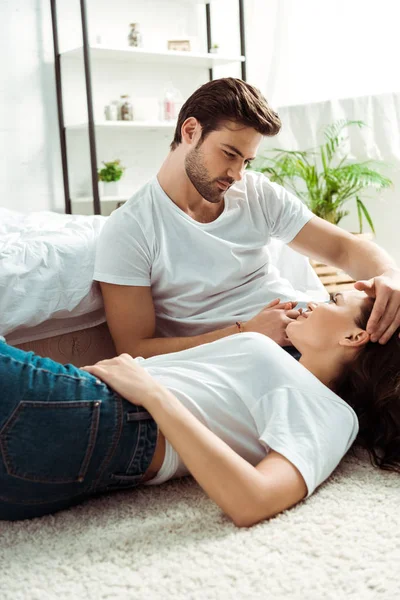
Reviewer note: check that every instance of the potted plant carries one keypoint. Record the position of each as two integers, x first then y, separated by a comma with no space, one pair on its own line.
324,178
214,48
109,175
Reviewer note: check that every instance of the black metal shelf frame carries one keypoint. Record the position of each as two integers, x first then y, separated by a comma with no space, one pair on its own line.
89,94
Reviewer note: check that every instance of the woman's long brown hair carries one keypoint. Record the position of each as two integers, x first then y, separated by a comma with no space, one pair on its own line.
371,386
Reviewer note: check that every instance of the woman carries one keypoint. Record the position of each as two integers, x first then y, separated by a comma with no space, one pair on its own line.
258,430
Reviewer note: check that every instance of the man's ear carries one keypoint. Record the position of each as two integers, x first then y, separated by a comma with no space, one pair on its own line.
189,129
355,340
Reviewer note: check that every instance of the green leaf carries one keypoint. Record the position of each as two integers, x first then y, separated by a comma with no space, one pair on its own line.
112,171
361,207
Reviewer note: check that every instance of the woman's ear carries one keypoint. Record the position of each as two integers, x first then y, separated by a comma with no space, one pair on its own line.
355,340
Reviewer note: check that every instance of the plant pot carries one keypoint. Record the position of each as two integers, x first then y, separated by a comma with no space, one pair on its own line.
108,188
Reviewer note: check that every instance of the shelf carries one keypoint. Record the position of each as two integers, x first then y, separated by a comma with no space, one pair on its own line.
143,125
104,199
198,59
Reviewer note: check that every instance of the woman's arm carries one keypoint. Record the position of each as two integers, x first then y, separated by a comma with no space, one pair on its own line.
245,493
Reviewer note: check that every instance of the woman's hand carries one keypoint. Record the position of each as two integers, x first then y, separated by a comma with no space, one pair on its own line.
124,375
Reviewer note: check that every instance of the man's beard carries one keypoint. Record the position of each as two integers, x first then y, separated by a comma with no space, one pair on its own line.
199,177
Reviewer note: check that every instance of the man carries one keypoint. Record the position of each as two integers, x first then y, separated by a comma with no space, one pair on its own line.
185,260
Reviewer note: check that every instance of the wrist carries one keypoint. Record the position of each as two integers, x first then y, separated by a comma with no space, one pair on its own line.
240,326
156,397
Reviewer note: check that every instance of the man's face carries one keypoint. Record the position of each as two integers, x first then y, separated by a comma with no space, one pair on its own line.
215,164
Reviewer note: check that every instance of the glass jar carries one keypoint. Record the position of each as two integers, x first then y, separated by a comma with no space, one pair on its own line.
111,111
126,109
135,37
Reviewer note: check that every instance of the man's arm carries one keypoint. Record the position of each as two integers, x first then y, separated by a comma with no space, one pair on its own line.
132,322
363,260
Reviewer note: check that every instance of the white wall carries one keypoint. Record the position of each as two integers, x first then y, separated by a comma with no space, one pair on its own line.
30,171
303,51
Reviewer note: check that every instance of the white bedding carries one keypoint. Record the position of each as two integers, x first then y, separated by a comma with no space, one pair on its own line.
46,271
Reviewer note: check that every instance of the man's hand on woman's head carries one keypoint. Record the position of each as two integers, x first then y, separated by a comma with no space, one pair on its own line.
385,315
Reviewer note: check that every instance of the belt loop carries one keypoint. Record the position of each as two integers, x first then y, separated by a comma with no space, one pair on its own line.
141,415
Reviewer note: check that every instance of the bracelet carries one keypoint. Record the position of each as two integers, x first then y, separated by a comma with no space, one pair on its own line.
239,325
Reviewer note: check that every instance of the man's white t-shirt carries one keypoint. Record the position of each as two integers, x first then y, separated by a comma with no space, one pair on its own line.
203,276
255,396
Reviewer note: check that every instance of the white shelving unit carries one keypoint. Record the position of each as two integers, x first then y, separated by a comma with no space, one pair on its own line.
208,60
109,57
143,125
191,59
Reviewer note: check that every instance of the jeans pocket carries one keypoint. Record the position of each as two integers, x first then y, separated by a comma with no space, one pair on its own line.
50,442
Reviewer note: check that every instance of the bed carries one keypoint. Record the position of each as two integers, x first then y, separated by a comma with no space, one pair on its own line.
49,302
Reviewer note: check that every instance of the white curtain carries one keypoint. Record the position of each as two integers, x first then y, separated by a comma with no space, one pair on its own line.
302,51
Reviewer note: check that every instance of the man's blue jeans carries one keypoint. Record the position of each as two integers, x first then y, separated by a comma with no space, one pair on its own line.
64,436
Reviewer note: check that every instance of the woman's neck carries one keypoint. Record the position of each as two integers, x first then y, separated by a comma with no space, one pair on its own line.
325,366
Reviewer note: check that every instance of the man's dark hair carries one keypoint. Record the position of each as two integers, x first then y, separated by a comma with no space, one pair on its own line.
227,99
371,386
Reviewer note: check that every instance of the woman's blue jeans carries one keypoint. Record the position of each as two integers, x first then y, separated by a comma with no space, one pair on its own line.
64,436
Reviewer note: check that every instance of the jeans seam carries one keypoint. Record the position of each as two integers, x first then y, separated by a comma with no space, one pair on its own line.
138,439
24,364
92,439
89,451
113,446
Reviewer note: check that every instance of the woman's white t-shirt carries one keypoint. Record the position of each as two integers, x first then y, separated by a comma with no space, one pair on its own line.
256,397
203,276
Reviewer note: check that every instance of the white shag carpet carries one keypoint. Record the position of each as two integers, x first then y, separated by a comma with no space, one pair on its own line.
172,543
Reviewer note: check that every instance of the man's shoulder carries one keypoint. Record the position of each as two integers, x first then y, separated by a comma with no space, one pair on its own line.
255,183
143,198
138,209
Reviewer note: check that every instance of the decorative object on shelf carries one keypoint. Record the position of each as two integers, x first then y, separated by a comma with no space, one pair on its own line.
326,180
111,111
108,176
214,48
181,45
135,37
172,99
126,109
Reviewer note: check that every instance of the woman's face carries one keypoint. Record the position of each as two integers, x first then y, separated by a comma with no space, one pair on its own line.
324,325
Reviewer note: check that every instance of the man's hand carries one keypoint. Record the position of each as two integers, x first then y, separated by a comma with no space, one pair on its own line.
385,316
273,320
